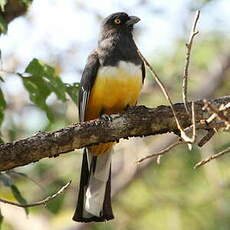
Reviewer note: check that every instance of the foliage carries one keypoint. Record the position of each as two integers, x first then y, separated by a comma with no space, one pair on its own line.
26,2
18,196
7,181
72,90
40,81
3,25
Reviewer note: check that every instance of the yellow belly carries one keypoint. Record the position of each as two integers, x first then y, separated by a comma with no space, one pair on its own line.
112,92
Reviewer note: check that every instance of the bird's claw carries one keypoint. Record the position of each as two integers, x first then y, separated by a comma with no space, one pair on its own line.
106,117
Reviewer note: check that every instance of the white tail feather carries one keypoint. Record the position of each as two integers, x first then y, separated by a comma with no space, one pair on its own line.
95,193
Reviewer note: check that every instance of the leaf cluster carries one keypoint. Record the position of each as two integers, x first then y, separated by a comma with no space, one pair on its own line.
40,81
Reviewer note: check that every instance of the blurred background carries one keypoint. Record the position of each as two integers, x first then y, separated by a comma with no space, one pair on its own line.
169,195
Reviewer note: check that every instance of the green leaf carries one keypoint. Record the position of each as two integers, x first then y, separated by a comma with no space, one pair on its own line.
3,25
2,4
27,2
54,83
1,140
2,100
2,106
6,179
72,91
1,219
42,82
18,196
56,204
1,79
38,93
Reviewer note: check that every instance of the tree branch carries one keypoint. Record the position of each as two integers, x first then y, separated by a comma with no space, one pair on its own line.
161,152
37,203
136,121
193,33
227,150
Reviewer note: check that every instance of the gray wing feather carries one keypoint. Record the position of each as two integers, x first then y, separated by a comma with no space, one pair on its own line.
88,77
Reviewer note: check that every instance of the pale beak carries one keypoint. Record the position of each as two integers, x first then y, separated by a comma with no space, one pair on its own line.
132,20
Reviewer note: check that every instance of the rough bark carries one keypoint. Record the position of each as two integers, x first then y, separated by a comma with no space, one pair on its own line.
136,121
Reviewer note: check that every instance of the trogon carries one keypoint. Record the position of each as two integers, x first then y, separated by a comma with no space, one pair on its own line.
111,81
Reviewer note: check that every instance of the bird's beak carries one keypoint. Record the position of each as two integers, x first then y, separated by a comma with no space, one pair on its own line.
132,20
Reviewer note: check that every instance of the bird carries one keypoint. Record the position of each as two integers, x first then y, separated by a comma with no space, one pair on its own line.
111,82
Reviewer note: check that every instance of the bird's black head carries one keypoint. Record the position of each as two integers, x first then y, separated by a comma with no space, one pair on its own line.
119,22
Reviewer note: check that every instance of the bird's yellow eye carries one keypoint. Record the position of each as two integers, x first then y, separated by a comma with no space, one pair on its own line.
117,21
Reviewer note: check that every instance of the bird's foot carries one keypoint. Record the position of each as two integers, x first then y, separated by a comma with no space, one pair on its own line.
106,117
127,107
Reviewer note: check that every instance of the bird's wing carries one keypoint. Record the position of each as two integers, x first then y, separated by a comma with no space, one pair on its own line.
87,81
143,71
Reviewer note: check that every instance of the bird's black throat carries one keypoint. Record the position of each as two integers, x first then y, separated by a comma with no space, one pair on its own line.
115,46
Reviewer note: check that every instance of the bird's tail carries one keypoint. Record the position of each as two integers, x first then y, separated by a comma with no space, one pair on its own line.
94,197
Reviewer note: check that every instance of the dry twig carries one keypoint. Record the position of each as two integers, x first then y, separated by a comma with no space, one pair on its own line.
163,89
219,113
227,150
207,137
184,136
41,202
193,33
180,141
162,152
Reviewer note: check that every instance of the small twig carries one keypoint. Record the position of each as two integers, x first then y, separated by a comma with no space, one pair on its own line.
190,141
218,112
211,118
7,72
215,125
184,135
159,159
227,150
187,60
41,202
163,89
193,123
162,152
207,137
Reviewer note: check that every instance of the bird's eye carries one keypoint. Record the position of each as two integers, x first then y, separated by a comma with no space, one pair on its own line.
117,21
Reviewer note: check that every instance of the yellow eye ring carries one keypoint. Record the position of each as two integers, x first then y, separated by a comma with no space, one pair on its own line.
117,21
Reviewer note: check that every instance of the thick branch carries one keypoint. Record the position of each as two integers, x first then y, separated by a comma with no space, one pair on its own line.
136,121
